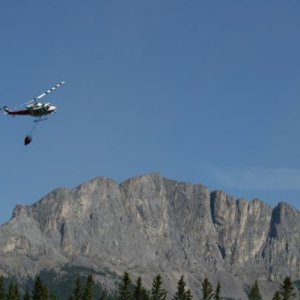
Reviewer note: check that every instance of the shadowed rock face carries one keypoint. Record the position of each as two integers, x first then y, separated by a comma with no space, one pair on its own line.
148,225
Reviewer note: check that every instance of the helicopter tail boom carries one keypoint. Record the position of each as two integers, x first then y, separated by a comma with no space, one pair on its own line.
14,113
6,109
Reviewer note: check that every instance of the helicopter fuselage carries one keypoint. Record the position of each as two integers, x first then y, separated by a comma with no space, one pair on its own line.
34,110
40,109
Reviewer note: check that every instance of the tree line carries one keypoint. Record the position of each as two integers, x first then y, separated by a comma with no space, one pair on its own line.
128,290
286,291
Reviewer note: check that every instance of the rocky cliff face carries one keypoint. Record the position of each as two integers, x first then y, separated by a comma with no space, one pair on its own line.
148,225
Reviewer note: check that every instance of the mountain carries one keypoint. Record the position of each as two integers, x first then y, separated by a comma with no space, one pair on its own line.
149,225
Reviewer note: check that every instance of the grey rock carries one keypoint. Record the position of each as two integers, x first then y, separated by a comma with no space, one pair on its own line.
149,225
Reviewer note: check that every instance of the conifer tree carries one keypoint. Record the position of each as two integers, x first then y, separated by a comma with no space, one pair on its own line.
125,288
104,295
77,291
9,295
16,292
27,295
254,293
139,292
88,293
13,292
188,295
181,293
217,293
157,292
52,296
207,290
137,295
40,291
287,289
2,288
276,296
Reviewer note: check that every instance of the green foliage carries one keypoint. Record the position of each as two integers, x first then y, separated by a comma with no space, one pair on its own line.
27,295
276,296
13,292
216,295
125,292
52,296
157,292
287,289
77,291
207,289
88,293
188,295
140,292
62,284
78,286
182,293
2,288
40,291
104,295
254,293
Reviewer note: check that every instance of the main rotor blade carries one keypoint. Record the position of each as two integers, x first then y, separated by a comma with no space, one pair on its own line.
47,92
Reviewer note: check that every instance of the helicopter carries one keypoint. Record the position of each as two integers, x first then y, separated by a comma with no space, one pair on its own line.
36,109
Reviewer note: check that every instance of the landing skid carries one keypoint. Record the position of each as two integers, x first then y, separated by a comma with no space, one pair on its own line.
39,120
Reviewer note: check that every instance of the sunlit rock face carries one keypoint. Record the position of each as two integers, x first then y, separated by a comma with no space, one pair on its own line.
149,225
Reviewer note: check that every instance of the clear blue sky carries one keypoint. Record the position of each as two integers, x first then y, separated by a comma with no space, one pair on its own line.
200,91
